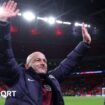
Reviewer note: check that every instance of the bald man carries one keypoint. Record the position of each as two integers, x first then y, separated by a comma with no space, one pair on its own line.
34,84
38,62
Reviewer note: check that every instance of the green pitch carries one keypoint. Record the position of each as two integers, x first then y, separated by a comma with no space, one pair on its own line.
2,101
84,100
77,100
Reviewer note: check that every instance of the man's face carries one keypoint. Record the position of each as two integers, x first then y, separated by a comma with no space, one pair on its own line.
38,62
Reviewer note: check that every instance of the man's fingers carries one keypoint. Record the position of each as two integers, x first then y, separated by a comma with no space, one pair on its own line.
16,12
13,8
85,34
84,29
9,4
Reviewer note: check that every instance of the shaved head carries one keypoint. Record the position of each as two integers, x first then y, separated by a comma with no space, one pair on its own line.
34,54
37,61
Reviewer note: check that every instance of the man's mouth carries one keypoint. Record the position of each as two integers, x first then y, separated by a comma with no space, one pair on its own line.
43,68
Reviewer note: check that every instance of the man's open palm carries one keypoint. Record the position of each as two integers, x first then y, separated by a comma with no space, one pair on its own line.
9,10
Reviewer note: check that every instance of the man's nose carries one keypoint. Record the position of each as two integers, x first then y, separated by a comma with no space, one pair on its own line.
42,62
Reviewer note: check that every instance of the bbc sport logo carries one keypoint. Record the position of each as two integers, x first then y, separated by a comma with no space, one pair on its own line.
4,94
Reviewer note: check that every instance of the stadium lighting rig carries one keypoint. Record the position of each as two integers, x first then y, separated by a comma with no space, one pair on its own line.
42,18
77,24
30,16
67,23
59,21
51,20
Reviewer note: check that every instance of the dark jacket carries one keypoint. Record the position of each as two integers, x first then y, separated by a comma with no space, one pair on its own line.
29,92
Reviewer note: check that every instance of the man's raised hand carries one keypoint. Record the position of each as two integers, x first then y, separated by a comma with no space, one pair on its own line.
9,9
86,36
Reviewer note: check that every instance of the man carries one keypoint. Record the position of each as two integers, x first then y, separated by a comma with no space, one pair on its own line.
34,85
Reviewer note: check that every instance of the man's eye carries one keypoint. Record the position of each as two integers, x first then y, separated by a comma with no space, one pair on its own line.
37,60
34,60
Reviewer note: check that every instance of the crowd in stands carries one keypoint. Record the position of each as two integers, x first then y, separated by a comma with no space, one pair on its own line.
83,85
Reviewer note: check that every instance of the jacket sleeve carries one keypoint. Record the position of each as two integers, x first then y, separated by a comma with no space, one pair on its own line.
9,64
67,65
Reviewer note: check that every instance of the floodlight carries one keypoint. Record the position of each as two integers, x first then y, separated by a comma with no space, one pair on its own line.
51,20
28,16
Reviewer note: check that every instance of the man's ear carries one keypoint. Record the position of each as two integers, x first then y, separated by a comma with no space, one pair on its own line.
26,66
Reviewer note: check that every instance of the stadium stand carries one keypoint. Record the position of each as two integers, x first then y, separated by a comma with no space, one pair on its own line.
82,85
